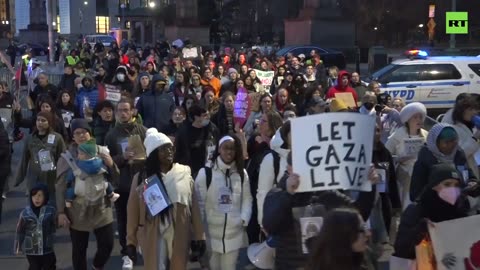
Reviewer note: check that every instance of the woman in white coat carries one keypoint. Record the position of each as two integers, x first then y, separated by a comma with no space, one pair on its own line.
468,135
404,145
225,203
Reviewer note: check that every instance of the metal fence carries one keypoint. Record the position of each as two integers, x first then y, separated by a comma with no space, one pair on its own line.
6,75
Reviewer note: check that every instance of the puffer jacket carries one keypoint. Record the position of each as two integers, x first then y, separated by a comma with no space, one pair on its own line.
225,231
468,144
29,238
91,94
266,174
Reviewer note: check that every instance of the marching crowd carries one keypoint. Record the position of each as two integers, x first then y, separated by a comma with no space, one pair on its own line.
153,134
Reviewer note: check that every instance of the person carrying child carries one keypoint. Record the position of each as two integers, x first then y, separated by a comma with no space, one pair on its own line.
35,230
87,175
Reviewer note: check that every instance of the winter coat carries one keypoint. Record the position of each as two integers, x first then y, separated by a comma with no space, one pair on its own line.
5,154
341,89
266,175
113,141
91,94
286,232
30,124
191,145
144,231
29,238
39,92
68,82
383,160
469,145
215,83
156,108
221,120
361,88
101,129
226,231
249,127
96,216
54,144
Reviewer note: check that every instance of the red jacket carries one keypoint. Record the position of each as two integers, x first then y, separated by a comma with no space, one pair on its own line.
340,89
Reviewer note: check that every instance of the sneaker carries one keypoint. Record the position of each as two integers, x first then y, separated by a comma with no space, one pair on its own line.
127,263
114,197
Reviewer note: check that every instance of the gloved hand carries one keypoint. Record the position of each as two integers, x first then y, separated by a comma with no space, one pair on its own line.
198,250
132,253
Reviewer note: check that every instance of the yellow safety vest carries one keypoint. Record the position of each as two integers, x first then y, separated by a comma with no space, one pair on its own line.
72,61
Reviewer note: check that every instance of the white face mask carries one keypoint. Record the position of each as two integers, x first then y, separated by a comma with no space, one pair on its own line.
205,122
121,77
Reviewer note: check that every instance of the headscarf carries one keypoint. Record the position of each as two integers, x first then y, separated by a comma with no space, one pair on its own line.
432,140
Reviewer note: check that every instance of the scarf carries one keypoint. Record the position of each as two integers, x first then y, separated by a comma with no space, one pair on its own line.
432,144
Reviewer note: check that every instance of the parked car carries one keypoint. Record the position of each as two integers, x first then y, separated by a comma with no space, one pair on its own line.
37,49
106,40
329,57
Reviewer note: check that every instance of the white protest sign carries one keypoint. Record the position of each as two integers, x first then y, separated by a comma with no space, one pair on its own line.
454,250
266,78
112,93
333,151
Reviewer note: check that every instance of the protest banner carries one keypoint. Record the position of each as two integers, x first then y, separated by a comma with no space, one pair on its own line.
266,78
112,93
242,107
454,250
333,151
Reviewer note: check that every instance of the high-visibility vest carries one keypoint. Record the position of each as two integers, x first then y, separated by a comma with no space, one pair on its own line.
25,59
72,61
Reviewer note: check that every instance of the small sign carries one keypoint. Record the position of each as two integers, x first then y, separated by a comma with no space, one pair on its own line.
457,22
431,11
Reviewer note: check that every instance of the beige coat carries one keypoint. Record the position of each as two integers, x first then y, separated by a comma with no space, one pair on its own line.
186,218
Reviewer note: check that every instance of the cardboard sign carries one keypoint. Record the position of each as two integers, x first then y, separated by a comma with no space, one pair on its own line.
347,98
333,151
266,79
255,101
242,107
454,250
190,52
112,93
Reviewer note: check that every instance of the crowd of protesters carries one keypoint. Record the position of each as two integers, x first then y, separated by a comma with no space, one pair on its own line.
178,103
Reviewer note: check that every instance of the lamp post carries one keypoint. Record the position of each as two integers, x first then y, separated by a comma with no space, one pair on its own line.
122,7
51,45
452,36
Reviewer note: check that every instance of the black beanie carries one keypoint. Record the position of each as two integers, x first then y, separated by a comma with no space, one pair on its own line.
441,172
80,123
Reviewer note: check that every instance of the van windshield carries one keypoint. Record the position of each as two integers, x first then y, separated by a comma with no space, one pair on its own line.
105,39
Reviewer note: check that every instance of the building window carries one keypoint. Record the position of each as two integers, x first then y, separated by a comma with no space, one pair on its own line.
103,24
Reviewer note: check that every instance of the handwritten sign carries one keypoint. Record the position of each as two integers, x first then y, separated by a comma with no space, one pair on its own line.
266,79
333,151
453,250
242,107
347,98
255,101
112,93
412,146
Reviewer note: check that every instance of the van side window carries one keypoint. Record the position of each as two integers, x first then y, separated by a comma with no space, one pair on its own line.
475,68
437,72
404,73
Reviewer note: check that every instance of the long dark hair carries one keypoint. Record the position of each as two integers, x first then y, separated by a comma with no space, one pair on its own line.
333,247
463,103
239,161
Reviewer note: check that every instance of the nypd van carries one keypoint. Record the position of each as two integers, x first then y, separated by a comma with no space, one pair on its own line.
433,81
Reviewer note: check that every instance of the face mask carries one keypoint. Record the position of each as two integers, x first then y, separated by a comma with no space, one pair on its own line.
121,77
449,194
205,122
368,105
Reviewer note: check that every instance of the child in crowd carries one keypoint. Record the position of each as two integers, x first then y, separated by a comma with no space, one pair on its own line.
35,230
87,174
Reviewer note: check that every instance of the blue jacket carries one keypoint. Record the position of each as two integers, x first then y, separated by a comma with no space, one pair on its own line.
156,108
91,94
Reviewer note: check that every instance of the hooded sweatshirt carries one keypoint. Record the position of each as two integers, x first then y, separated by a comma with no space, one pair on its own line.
156,107
86,96
339,88
266,174
430,155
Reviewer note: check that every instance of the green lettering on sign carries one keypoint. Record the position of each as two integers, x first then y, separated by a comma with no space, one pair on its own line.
456,22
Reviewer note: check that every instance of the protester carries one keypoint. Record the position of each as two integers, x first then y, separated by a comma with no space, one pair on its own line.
255,116
143,85
223,119
117,141
398,104
166,235
342,242
208,100
35,233
87,98
210,80
343,86
441,147
405,144
196,140
439,200
41,153
357,84
84,217
6,157
180,88
179,116
282,100
103,121
43,89
225,203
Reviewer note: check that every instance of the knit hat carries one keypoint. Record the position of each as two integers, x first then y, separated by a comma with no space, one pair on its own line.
337,105
89,147
155,139
447,134
80,123
232,70
143,74
441,172
411,109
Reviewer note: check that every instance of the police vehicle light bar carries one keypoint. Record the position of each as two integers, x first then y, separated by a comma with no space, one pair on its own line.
416,54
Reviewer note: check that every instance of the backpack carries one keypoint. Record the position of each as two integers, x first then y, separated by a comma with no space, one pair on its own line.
90,187
208,173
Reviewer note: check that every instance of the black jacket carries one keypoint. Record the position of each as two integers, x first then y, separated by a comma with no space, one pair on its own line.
68,82
49,90
383,160
280,222
100,129
423,166
220,120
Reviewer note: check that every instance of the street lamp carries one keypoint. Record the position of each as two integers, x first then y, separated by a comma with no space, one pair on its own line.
85,3
151,4
122,6
420,25
375,28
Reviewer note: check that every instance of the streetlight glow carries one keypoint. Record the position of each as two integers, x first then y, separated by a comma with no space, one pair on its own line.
420,25
375,28
85,3
152,4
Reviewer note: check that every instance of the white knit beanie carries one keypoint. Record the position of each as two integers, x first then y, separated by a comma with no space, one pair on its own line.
155,139
411,109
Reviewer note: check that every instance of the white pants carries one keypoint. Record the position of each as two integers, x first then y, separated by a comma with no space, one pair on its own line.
220,261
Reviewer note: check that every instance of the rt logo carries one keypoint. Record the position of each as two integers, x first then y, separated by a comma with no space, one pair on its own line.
457,23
